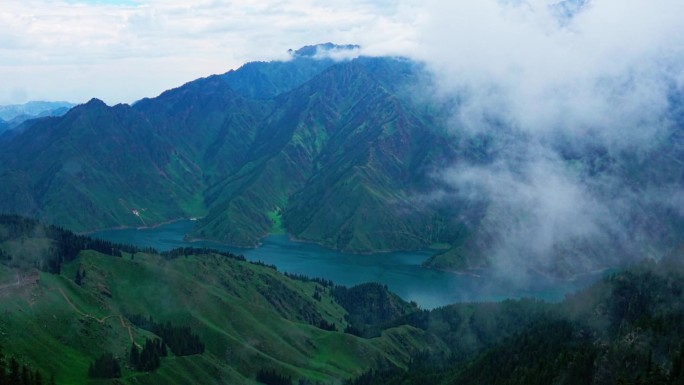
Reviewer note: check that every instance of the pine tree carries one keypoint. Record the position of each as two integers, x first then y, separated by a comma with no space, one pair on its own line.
79,278
106,366
25,377
14,375
3,367
134,356
677,373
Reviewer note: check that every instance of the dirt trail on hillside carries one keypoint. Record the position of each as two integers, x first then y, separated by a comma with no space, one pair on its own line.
20,282
77,310
130,331
15,284
29,278
124,324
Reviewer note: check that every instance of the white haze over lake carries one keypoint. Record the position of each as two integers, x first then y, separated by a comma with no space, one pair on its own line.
544,77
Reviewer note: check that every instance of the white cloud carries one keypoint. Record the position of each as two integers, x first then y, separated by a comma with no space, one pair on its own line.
540,83
124,50
608,66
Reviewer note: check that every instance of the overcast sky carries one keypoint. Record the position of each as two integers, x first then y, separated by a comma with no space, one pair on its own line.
123,50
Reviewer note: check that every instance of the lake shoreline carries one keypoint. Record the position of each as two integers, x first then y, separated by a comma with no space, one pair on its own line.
375,252
259,244
402,272
154,226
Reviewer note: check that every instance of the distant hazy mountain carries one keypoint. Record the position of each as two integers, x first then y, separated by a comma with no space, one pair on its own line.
33,109
339,152
12,116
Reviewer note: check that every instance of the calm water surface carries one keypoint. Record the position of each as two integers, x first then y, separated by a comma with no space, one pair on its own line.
400,271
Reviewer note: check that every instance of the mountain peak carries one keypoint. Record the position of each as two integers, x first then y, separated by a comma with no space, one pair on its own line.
326,51
95,102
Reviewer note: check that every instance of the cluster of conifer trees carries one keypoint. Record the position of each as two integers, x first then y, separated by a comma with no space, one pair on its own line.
325,325
628,330
271,377
186,251
534,358
180,339
14,373
149,358
105,366
305,278
66,245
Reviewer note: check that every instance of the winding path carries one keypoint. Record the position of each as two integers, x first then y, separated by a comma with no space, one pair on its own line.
124,324
102,320
15,284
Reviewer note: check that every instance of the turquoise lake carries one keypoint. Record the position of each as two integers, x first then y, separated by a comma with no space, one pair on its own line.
400,271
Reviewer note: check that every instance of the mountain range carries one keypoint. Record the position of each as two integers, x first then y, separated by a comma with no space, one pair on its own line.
226,149
13,115
345,153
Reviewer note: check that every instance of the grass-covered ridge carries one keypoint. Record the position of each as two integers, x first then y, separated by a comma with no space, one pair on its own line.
249,317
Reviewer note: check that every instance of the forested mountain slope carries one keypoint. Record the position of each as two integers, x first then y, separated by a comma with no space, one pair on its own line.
356,155
343,135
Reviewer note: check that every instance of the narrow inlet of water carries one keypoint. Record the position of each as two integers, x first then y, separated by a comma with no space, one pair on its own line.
400,271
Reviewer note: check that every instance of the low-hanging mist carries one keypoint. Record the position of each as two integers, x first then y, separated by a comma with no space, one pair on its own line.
576,106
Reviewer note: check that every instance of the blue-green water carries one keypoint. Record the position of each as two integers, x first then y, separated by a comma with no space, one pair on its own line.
401,271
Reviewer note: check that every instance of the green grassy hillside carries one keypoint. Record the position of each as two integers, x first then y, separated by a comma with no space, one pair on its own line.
250,317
